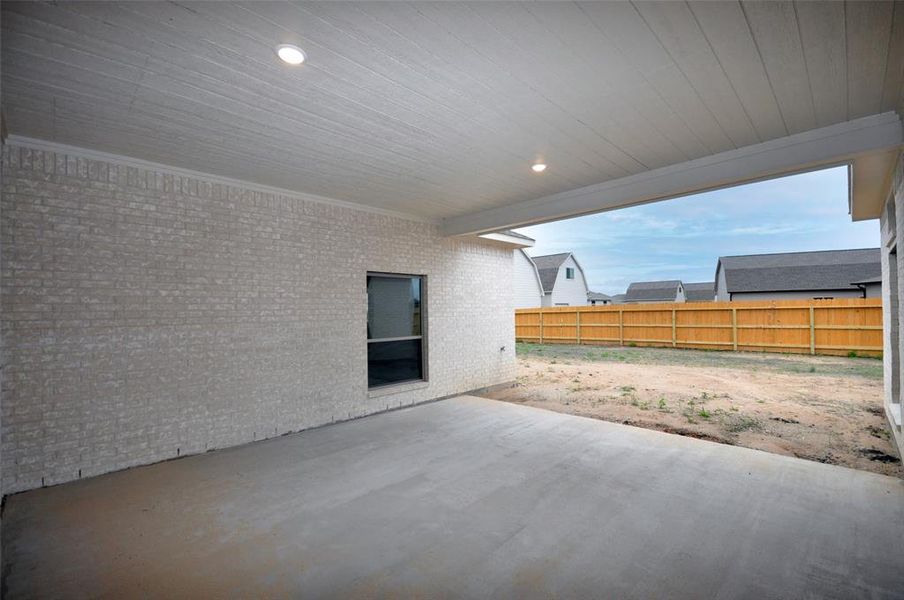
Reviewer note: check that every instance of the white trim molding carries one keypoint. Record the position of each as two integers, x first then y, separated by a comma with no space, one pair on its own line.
848,143
502,236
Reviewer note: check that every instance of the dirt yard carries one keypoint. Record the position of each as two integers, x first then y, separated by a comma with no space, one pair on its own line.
820,408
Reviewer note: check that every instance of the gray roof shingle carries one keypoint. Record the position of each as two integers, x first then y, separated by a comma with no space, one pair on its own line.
548,268
800,271
704,291
598,296
653,291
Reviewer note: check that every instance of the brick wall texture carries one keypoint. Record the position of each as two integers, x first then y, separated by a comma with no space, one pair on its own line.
148,314
893,300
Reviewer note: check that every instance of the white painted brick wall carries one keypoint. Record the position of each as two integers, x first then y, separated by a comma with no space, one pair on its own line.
149,314
893,299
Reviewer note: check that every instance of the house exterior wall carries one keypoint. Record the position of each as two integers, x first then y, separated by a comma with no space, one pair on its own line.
891,225
873,290
149,314
528,293
722,294
796,295
570,292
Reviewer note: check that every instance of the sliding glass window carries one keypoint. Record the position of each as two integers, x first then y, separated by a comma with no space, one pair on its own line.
395,329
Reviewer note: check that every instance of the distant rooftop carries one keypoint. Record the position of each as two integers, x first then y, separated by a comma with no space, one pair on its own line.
704,291
653,291
798,271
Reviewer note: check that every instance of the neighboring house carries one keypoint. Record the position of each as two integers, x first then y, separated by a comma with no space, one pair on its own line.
562,279
618,299
526,282
700,292
870,287
797,275
655,291
598,299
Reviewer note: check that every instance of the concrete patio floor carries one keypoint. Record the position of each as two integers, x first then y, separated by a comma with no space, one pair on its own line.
464,498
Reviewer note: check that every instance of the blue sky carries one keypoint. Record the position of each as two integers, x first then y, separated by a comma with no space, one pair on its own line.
683,238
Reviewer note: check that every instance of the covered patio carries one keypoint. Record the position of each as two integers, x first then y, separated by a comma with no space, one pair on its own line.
464,497
222,224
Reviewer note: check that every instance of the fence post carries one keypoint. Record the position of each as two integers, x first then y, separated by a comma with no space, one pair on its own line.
577,328
621,327
674,330
541,325
812,332
734,328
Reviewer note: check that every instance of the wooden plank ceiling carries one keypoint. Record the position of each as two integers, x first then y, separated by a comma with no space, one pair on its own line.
439,109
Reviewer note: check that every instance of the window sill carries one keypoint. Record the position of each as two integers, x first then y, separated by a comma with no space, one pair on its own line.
398,388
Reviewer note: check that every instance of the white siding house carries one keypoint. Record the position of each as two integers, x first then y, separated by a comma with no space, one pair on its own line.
526,281
562,279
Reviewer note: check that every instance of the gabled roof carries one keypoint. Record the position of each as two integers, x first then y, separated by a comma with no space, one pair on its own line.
704,291
799,271
598,296
653,291
548,268
618,299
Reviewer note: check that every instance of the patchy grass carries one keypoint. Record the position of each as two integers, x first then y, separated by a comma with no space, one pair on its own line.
822,408
856,366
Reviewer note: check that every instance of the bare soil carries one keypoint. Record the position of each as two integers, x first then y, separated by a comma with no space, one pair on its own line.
827,409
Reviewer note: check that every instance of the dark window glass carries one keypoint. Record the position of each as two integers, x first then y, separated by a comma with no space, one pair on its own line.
569,273
395,350
393,307
394,362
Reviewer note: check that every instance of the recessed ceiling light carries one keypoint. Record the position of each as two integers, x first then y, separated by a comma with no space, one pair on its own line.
539,167
291,54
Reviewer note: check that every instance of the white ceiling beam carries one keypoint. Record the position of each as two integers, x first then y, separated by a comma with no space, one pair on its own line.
843,143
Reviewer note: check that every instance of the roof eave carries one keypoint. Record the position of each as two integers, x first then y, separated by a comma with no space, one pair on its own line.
506,238
870,180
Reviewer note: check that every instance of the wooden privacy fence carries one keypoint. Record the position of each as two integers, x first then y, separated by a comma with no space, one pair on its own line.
837,326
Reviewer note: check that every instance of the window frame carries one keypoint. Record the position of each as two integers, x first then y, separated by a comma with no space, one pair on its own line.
423,337
569,272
